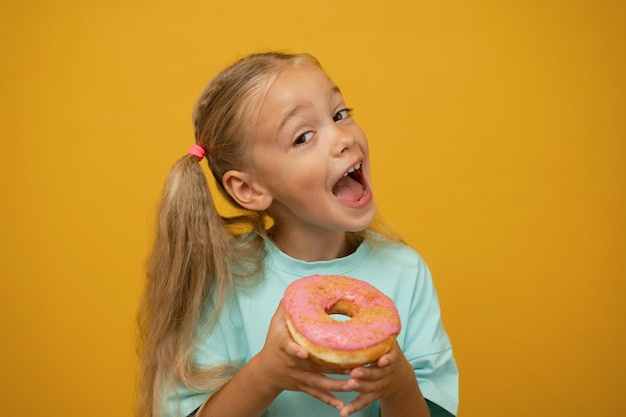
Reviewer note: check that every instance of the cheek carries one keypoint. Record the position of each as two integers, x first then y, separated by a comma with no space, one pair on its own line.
364,145
364,142
361,138
265,167
305,186
306,178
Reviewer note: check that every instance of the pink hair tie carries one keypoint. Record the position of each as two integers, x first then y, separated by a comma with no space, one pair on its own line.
197,151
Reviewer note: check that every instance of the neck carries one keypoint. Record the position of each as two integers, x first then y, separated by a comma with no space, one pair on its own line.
312,248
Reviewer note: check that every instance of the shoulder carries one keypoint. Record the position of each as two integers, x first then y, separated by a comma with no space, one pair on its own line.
395,268
389,251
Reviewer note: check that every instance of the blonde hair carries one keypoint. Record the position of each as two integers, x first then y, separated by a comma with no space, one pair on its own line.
197,256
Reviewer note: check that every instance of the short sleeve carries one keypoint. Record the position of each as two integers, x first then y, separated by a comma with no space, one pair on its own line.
427,346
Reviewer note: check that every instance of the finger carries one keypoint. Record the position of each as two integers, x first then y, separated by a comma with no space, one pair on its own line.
321,387
306,374
295,350
353,383
325,397
371,373
358,373
389,357
364,380
384,361
357,404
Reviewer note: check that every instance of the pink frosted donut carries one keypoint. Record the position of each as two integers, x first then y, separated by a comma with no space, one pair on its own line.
369,333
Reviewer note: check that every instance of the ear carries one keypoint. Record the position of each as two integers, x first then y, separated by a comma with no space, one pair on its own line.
245,191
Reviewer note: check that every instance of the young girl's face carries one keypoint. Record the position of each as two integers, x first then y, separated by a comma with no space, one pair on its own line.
311,156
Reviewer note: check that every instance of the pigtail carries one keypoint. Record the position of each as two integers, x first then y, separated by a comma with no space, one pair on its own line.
198,255
191,257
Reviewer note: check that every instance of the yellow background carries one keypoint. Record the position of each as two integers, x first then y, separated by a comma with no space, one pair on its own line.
498,144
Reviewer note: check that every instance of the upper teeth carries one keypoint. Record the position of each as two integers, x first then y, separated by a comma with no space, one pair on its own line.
354,168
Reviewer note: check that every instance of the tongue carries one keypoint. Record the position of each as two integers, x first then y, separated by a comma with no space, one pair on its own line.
348,189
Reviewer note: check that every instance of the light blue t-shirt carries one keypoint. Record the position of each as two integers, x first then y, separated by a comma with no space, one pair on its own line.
393,268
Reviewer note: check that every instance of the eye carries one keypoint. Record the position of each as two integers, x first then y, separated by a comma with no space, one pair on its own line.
303,138
342,114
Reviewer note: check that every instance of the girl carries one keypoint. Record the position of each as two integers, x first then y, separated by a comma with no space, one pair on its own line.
283,147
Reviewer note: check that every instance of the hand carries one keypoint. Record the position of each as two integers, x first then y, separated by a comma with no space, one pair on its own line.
288,367
388,376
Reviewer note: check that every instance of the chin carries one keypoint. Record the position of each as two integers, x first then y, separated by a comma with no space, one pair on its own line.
364,220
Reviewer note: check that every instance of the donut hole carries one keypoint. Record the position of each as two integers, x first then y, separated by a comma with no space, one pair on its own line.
340,317
342,310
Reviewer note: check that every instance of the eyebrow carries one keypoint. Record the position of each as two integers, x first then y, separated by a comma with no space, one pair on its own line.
294,112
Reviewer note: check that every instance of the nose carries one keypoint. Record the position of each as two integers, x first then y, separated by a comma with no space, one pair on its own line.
343,140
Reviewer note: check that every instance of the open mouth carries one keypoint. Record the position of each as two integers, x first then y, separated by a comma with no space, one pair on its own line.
351,187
